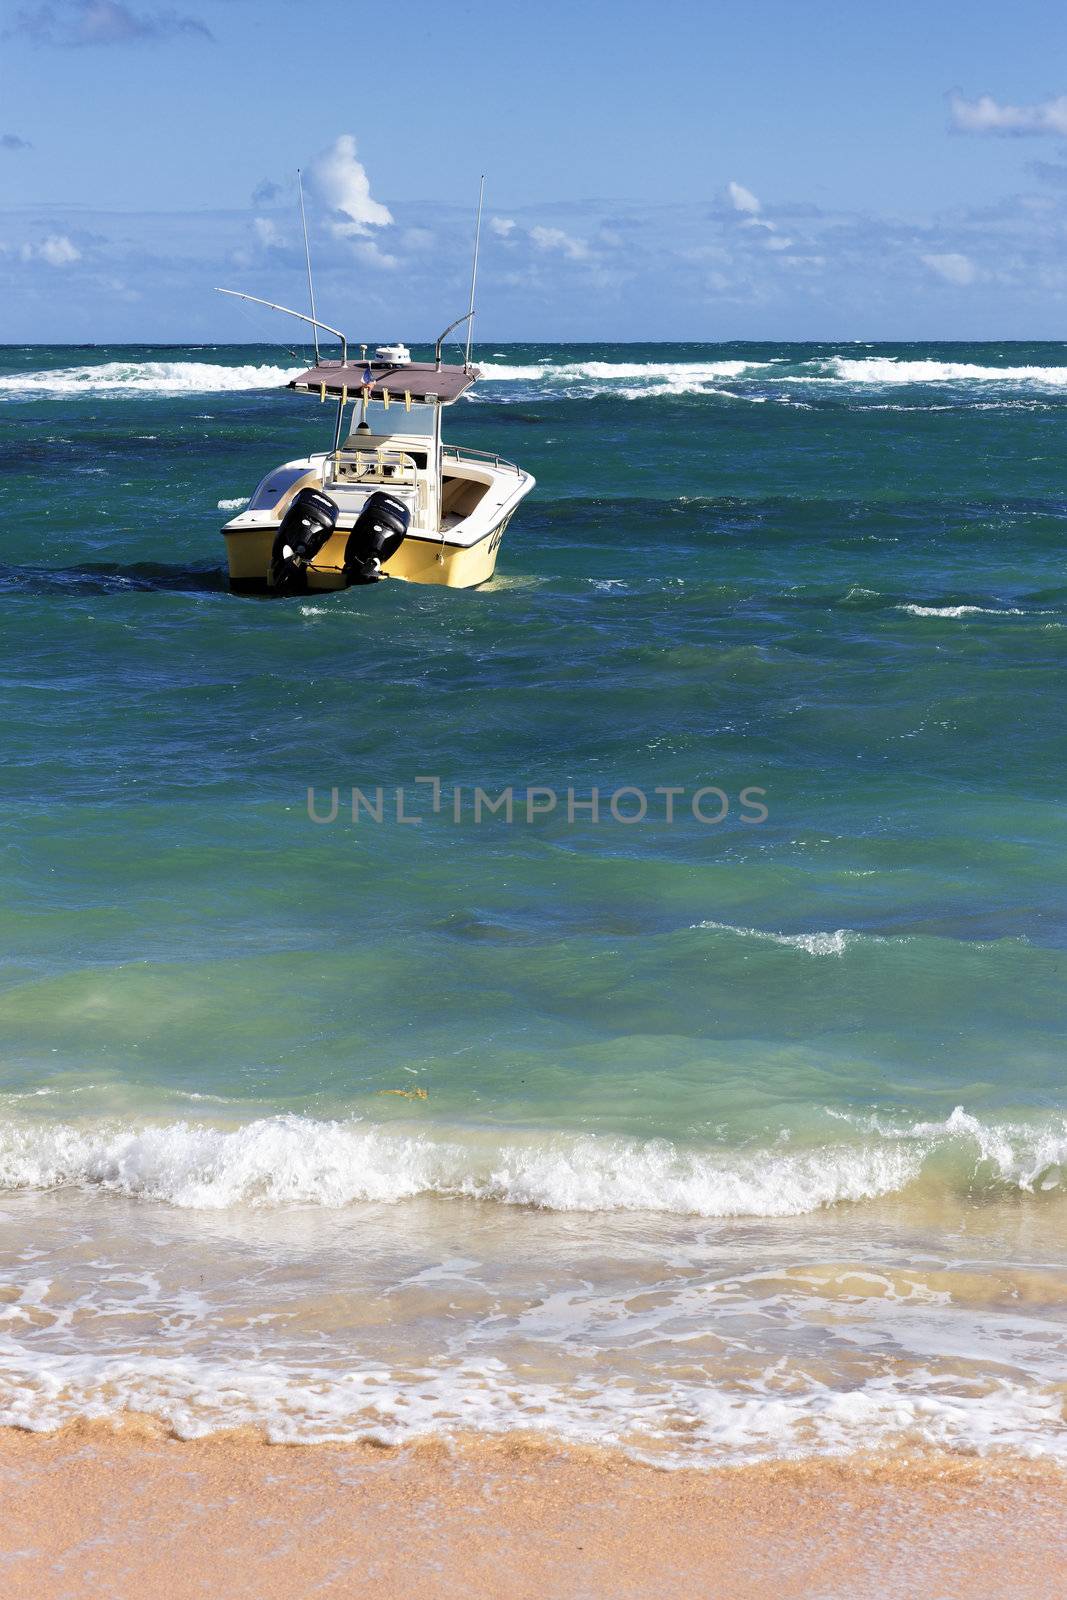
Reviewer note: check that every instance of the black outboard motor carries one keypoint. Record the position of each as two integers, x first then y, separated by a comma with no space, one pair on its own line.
306,526
378,533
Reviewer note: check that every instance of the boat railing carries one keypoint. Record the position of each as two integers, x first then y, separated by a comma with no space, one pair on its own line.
463,452
369,466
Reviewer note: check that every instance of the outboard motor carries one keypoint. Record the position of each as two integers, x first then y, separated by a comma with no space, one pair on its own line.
306,526
378,533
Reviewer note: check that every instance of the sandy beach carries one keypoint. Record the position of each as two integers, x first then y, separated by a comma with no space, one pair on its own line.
95,1511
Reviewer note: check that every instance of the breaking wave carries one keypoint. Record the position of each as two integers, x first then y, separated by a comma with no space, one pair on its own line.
625,379
954,612
762,380
555,378
813,944
117,378
890,369
293,1160
615,371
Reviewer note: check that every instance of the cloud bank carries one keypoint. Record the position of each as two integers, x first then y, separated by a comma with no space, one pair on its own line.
953,266
101,22
718,267
989,116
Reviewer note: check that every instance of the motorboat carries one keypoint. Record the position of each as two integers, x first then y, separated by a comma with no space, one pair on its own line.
389,499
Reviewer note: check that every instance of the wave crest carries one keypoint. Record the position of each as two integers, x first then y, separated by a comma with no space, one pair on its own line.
891,369
117,378
812,944
953,613
293,1160
555,378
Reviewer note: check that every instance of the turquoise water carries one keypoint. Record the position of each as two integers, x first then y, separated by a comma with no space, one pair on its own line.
643,1062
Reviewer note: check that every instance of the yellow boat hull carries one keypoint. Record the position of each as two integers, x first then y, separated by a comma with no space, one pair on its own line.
418,560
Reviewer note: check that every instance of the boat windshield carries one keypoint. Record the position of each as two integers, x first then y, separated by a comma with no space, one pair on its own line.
382,419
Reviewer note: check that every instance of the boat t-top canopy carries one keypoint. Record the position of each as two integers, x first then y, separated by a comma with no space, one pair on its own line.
420,382
413,382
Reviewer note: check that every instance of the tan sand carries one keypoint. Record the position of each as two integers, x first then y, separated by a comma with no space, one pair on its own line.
94,1512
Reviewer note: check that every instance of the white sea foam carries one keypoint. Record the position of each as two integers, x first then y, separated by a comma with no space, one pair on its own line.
503,372
233,505
1032,1159
675,1423
689,376
813,944
704,1339
888,369
626,379
954,612
294,1160
117,378
291,1160
616,371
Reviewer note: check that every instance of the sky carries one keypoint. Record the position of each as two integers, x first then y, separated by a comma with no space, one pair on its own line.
684,170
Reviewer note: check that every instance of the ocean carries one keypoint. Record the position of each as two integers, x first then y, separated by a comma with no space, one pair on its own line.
725,1121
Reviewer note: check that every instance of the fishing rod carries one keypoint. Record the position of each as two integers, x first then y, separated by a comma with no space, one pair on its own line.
239,294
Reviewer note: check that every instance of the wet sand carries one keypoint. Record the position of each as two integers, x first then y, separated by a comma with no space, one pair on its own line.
95,1512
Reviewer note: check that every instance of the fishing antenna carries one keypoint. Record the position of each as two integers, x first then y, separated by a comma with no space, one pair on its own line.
307,258
474,270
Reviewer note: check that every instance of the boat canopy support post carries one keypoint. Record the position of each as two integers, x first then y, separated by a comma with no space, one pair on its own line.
441,337
339,424
439,475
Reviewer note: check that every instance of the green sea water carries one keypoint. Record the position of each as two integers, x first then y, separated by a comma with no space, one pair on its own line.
702,1136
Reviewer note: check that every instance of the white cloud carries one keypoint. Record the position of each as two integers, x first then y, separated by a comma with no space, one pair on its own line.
743,199
267,231
502,226
342,184
750,207
953,267
986,115
556,239
373,256
56,249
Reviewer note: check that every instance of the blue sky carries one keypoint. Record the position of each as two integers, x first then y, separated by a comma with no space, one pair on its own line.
693,169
